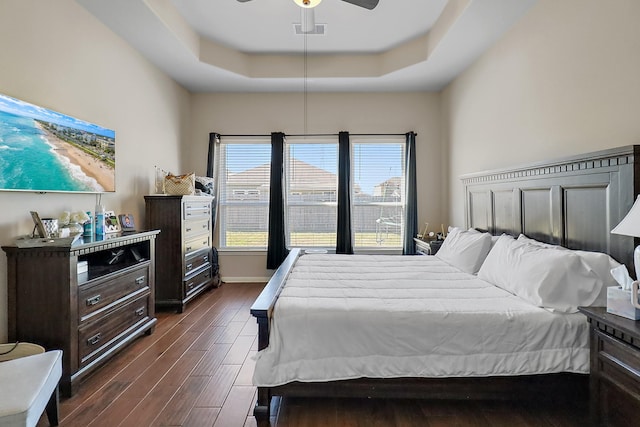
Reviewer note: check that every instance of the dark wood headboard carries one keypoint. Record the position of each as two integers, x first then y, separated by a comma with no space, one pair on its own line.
573,202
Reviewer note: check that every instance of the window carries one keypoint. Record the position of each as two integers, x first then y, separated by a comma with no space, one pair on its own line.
311,186
378,176
311,192
244,174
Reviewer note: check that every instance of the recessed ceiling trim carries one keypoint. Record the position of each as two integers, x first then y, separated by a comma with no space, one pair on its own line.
178,36
289,66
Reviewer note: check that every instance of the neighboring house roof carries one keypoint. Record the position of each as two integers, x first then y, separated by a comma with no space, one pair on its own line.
305,178
388,187
253,178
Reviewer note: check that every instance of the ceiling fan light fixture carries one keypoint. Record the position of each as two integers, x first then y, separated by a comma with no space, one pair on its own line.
307,3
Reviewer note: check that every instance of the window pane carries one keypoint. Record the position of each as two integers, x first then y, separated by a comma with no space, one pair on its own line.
244,194
312,186
378,193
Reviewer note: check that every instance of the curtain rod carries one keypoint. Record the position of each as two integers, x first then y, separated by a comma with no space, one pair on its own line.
319,134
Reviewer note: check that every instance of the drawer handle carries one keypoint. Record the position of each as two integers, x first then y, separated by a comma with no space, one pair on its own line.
188,229
140,311
189,266
188,248
190,285
205,258
205,226
93,300
94,339
140,280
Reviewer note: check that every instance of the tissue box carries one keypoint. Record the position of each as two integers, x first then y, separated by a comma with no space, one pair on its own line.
619,303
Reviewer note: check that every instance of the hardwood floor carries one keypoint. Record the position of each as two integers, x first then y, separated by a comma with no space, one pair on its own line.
196,368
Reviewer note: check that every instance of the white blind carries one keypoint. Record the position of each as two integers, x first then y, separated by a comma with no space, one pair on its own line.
311,192
244,175
378,178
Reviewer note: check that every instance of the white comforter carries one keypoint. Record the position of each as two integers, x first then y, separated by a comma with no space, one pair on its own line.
351,316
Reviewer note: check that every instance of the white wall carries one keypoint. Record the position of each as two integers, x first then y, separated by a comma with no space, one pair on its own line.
326,113
565,80
56,55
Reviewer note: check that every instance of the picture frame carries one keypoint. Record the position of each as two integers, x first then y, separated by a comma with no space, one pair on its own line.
57,140
39,226
111,223
126,222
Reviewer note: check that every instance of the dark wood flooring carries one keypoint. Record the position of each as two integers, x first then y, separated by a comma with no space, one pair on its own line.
196,368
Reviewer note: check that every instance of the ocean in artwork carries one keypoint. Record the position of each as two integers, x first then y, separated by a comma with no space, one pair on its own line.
28,161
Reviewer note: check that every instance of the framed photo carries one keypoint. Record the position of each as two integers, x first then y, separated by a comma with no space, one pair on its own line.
39,226
111,224
126,222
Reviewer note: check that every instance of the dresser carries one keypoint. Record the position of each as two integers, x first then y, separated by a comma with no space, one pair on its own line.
614,378
184,267
88,298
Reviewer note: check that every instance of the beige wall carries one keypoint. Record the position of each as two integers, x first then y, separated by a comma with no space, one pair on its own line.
565,80
326,113
55,54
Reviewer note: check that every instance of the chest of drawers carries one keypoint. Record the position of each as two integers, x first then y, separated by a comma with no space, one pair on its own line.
184,267
89,315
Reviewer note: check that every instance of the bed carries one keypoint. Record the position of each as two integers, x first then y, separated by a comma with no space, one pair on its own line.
573,202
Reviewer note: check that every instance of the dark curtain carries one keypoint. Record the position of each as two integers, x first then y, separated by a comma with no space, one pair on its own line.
344,244
214,138
277,245
212,171
411,208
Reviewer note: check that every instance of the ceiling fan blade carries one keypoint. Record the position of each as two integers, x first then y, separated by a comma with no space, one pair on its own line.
367,4
243,1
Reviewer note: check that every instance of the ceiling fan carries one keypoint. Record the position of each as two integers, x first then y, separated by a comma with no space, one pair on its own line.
367,4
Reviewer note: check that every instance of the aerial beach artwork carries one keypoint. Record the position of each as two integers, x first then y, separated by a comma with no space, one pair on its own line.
42,150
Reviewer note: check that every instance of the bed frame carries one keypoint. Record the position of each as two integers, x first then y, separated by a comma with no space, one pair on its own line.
574,202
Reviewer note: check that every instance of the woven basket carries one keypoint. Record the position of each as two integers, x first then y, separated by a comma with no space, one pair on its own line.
15,350
180,185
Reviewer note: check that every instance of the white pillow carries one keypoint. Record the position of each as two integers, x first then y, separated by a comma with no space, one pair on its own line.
555,279
600,263
465,249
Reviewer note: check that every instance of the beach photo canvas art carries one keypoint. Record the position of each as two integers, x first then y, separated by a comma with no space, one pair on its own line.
43,151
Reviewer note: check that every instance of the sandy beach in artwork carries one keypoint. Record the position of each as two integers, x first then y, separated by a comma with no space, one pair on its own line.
91,166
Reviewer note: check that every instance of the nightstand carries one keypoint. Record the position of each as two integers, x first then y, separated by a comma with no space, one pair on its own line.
424,247
614,379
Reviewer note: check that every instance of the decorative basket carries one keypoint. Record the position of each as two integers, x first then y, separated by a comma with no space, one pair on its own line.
19,349
180,185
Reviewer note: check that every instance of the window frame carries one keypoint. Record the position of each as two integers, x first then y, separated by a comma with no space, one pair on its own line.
258,199
399,140
248,199
291,142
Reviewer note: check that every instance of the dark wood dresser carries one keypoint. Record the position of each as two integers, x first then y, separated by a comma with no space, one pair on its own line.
184,267
88,298
614,379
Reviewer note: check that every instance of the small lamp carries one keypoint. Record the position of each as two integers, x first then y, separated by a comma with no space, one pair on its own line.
630,226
